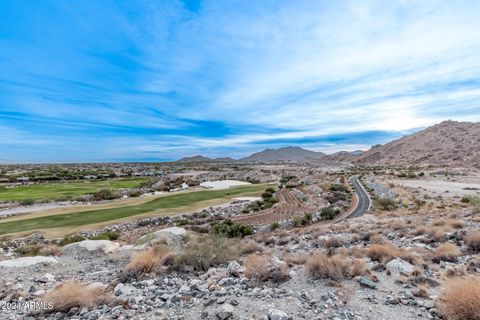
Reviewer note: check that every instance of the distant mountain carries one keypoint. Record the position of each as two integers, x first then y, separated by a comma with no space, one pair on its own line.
344,156
194,159
284,154
444,144
200,158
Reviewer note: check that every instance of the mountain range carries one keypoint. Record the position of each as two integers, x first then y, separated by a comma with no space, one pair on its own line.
447,143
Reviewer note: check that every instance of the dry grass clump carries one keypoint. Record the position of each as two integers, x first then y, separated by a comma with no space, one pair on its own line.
206,251
250,246
336,267
437,234
456,223
472,240
332,243
76,294
376,238
262,268
446,252
383,252
460,299
50,250
292,260
421,291
147,261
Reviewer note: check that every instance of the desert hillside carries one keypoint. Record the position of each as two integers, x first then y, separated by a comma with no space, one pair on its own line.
445,144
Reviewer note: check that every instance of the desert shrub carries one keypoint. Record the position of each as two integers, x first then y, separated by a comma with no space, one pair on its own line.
206,251
135,194
332,243
386,204
147,261
107,235
299,221
270,189
28,250
274,226
263,268
267,195
250,247
338,187
446,252
328,213
232,229
472,240
72,294
71,239
336,267
105,194
460,299
50,250
27,202
382,252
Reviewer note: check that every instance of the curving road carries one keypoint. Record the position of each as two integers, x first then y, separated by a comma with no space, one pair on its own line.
363,203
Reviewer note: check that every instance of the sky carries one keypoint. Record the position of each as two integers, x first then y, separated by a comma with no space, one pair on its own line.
103,81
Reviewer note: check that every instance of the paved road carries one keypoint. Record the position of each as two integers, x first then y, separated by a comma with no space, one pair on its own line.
363,201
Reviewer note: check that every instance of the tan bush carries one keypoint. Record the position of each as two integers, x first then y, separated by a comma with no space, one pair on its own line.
383,252
50,250
250,246
264,267
472,240
456,223
336,267
446,252
376,238
76,294
147,261
460,299
205,251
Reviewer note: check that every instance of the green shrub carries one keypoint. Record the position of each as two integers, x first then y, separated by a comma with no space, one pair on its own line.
207,251
267,195
232,229
270,189
27,202
135,194
29,250
328,213
105,194
71,239
338,187
274,226
107,235
386,204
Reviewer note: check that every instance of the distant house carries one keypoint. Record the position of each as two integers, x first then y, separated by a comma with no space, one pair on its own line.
3,180
23,179
137,174
90,177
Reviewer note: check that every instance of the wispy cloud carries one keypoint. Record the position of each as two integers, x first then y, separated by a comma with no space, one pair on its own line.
159,80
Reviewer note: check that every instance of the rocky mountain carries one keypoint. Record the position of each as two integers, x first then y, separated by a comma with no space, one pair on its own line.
284,154
447,143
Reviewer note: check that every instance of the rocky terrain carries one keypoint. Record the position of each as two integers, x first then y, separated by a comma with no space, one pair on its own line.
399,264
445,144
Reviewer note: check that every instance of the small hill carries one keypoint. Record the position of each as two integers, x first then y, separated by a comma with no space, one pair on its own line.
198,158
444,144
284,154
344,156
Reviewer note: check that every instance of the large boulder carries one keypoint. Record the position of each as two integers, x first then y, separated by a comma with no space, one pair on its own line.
26,261
169,236
275,314
105,246
398,265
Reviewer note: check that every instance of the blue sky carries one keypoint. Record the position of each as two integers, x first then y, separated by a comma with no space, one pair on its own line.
157,80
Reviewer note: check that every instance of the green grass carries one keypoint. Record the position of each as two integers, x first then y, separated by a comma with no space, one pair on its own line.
56,191
76,219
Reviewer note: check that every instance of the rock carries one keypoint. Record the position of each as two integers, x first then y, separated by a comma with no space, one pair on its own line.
124,289
234,269
97,285
47,278
225,312
275,314
26,261
105,246
366,282
168,236
399,265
